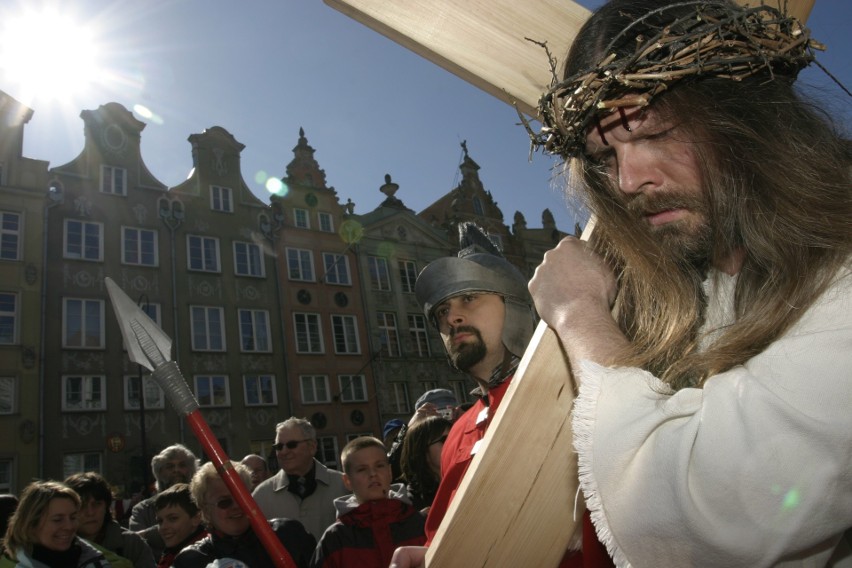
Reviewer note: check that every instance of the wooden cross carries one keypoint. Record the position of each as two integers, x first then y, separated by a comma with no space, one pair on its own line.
515,506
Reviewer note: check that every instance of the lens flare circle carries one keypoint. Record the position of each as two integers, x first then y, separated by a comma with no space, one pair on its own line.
277,187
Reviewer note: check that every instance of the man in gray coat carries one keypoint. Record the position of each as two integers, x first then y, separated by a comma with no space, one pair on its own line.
175,464
303,489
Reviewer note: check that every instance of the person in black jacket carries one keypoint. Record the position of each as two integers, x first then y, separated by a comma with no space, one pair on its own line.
231,536
178,520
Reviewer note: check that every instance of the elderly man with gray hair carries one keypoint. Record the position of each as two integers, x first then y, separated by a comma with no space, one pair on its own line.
303,489
175,464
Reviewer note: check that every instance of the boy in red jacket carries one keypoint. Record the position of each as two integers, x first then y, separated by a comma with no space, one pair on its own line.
375,519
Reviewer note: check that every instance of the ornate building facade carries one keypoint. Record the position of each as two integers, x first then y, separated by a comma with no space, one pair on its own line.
299,307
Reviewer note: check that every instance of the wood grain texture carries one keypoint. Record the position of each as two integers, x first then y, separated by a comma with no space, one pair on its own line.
483,41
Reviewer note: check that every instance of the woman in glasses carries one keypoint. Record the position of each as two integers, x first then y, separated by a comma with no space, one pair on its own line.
231,536
43,531
421,459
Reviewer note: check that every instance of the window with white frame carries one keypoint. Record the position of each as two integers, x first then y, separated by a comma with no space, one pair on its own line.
379,275
399,398
83,240
308,332
345,331
300,265
139,246
419,335
154,396
459,389
326,222
84,461
301,219
6,471
327,451
388,334
336,268
8,318
212,390
82,323
259,390
254,330
314,389
202,253
407,275
83,393
208,328
113,180
353,388
8,395
428,385
11,233
248,259
221,199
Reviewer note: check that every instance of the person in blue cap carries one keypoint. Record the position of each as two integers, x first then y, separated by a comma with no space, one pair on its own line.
390,431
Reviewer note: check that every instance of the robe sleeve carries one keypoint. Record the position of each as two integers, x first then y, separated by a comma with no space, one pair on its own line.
755,469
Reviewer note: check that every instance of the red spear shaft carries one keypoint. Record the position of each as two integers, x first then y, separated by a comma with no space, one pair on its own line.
148,346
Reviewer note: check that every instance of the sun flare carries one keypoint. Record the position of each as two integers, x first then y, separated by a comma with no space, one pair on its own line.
47,56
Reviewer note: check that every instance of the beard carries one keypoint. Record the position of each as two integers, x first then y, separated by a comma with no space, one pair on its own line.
688,241
465,355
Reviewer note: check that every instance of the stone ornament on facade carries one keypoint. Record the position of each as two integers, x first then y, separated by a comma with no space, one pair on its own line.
83,424
140,212
114,139
83,361
206,289
141,284
83,206
260,417
219,164
248,292
171,212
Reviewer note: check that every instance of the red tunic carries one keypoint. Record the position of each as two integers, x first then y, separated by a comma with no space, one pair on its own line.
455,459
457,454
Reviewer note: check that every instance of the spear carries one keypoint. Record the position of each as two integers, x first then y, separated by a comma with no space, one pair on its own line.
149,346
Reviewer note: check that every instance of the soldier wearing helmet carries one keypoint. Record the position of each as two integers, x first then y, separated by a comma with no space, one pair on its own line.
480,305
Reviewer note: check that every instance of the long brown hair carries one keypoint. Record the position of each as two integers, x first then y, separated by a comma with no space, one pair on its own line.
775,173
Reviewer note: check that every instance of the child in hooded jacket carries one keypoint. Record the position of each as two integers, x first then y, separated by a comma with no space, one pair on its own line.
373,521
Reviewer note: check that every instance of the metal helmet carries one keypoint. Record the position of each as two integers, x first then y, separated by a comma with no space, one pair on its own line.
480,267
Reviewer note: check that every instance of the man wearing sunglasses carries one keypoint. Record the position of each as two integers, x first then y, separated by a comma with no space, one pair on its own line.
303,489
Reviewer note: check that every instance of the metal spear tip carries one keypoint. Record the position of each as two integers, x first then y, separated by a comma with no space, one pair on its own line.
146,343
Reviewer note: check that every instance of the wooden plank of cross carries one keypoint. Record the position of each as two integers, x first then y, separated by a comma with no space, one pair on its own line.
488,42
515,506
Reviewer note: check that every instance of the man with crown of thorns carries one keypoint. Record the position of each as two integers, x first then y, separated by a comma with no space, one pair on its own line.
708,322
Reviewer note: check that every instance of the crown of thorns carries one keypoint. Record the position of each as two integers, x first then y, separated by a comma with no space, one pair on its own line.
715,40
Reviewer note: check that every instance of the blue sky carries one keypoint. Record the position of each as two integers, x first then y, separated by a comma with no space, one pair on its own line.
264,68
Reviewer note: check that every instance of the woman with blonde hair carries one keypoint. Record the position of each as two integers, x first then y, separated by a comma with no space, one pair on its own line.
230,534
42,532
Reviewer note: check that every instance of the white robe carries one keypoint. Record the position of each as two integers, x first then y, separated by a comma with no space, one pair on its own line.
755,469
